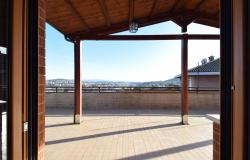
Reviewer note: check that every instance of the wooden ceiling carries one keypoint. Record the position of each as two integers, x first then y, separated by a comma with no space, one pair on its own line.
79,18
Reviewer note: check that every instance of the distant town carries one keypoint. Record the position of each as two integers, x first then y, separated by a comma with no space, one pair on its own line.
208,68
175,82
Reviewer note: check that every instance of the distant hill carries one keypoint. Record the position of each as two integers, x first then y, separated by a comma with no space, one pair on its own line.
106,83
174,82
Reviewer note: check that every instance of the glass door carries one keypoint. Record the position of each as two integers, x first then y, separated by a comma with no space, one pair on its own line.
3,101
4,74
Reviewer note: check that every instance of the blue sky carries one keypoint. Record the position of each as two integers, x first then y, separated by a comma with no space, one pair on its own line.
128,60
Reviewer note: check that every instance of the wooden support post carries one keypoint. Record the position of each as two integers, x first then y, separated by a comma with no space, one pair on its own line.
184,79
78,82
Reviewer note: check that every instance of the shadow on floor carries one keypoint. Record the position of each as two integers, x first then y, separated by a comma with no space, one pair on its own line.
111,133
58,125
169,151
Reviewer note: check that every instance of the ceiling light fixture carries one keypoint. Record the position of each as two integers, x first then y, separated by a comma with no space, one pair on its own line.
133,27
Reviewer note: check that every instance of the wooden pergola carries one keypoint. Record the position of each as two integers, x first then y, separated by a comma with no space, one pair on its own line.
97,19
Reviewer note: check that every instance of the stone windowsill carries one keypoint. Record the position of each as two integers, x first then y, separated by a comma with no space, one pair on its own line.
214,117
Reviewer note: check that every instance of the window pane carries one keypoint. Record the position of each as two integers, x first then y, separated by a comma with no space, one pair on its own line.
3,79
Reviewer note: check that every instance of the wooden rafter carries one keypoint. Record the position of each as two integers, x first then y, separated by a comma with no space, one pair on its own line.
142,21
177,2
212,20
104,11
183,20
206,21
123,26
148,14
72,9
217,14
131,10
197,7
153,9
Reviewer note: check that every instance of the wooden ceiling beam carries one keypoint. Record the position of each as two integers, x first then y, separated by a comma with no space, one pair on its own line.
142,22
183,19
188,16
122,26
131,10
197,7
177,2
153,37
212,20
217,14
105,12
72,9
209,22
153,9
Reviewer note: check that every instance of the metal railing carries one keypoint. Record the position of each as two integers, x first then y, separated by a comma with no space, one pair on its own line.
126,89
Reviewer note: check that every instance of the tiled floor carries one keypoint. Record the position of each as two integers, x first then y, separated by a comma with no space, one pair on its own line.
130,135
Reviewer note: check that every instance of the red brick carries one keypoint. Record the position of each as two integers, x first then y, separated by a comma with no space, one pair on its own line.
42,61
41,99
42,79
41,32
41,52
41,42
42,13
41,89
216,127
216,141
41,76
42,4
41,108
42,23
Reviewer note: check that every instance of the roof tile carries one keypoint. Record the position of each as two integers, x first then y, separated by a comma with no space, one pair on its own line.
213,66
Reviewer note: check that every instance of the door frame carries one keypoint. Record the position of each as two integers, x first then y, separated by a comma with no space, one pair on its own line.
226,79
17,79
247,145
33,50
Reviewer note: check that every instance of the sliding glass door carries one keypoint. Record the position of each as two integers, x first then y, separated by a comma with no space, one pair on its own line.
4,77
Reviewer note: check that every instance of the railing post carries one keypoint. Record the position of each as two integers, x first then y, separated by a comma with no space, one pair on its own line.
78,82
184,79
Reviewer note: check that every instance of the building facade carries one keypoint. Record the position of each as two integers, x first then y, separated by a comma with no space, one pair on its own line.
205,76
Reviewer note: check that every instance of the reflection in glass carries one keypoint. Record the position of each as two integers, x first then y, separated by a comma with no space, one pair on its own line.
4,86
3,101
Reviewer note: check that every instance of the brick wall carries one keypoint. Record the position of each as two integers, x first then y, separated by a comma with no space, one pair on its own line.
216,141
41,78
212,82
202,99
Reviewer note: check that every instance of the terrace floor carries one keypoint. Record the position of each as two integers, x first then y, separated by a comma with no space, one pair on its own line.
130,135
